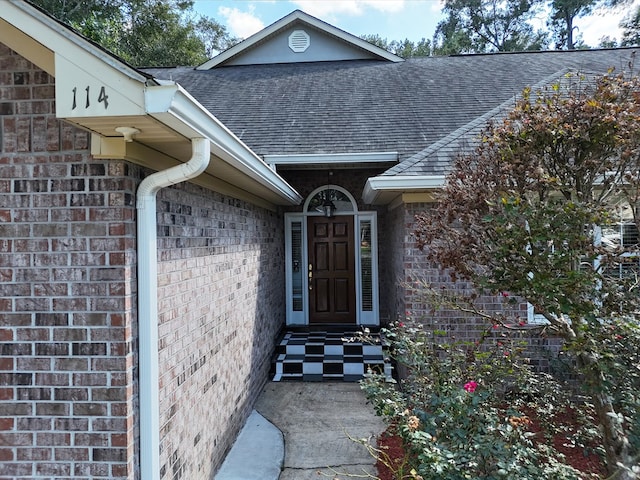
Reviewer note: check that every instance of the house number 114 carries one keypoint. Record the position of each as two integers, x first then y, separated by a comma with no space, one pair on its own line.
102,97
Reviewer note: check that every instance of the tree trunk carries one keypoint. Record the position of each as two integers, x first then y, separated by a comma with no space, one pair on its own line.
614,437
569,21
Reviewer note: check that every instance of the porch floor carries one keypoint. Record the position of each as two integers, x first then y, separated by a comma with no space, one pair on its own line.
316,356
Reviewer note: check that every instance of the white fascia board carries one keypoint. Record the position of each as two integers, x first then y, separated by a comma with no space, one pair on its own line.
333,158
175,107
284,22
58,38
400,183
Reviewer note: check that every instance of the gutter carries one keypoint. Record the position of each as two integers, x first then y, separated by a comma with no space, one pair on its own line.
148,300
377,186
172,105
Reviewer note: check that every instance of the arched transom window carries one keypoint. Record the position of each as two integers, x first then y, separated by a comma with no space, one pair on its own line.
330,197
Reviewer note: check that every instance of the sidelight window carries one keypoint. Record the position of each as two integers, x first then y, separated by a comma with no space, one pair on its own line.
296,266
366,267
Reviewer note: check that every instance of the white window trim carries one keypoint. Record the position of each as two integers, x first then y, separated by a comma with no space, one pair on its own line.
296,317
537,319
363,317
354,204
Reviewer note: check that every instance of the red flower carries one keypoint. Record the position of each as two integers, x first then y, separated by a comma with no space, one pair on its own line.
470,386
400,324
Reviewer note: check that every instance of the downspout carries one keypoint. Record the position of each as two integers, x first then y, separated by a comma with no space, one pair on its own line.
148,301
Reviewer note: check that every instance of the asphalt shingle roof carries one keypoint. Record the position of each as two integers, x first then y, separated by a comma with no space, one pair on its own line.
423,108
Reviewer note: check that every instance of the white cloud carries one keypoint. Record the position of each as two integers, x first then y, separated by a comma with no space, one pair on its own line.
387,6
328,8
602,23
241,24
331,8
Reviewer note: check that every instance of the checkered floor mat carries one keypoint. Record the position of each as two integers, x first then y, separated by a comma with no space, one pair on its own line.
323,356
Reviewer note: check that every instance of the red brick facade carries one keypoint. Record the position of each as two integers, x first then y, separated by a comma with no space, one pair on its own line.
221,306
68,326
67,293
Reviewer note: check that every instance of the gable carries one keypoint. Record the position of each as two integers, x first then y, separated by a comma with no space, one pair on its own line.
300,43
299,38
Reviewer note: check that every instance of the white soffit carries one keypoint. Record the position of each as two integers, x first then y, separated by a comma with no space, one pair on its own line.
384,188
322,159
284,22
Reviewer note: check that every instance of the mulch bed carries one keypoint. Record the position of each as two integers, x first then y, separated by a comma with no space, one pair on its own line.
587,462
391,444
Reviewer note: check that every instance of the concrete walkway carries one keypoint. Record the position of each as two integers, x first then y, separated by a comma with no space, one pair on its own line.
316,420
300,431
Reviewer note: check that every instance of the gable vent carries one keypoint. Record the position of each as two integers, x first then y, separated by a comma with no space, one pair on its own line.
299,41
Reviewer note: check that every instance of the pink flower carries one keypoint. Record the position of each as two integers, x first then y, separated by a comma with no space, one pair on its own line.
400,324
470,386
495,325
505,294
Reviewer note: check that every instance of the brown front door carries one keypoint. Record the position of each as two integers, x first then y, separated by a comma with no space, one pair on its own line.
331,270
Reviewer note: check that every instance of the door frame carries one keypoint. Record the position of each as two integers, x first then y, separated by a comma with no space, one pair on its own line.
297,312
339,274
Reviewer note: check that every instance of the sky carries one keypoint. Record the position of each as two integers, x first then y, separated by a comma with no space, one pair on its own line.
391,19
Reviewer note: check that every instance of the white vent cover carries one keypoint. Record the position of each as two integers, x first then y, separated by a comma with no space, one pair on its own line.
299,41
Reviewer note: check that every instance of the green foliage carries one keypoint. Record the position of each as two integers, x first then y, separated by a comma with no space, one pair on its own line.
530,204
144,32
631,29
561,22
405,48
531,211
616,376
464,409
562,18
481,26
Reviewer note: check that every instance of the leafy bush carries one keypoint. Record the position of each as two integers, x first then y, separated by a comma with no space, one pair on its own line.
464,408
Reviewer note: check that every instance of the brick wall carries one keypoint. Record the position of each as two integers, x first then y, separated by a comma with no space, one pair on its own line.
221,281
408,264
68,333
67,277
395,244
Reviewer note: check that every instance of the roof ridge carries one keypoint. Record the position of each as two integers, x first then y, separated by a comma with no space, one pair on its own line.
537,52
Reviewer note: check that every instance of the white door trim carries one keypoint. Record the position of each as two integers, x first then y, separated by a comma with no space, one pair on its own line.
297,302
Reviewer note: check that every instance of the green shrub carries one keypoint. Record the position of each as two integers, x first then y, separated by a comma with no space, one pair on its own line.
464,408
